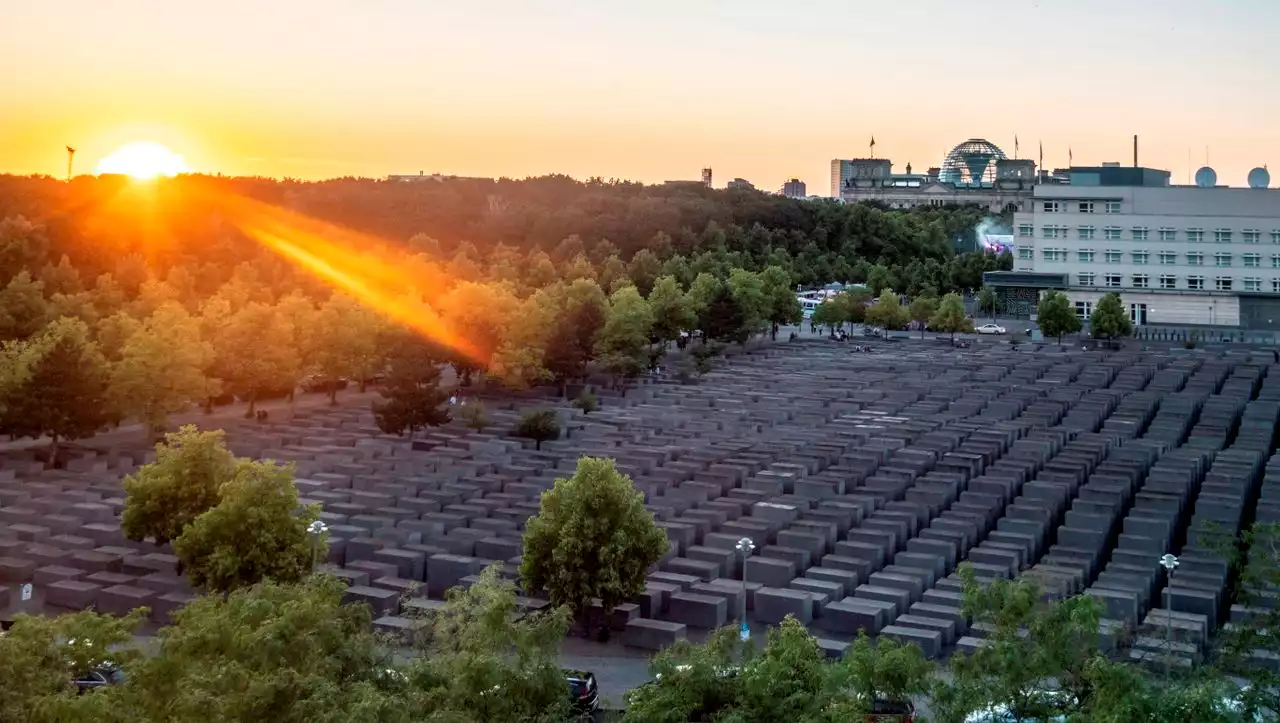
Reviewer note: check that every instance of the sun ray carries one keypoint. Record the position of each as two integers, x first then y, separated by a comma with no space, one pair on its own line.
143,160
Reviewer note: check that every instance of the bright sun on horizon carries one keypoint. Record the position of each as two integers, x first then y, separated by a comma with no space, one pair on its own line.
143,160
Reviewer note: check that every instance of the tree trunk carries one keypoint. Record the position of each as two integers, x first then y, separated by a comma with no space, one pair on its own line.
364,384
333,394
253,403
53,451
922,331
537,445
208,404
775,331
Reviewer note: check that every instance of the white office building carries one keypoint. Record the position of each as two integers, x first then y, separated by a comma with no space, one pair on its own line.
1178,255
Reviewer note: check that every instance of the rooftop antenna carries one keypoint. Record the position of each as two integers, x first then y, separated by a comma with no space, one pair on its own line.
71,154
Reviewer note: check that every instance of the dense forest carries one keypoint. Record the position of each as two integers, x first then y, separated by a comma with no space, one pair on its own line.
101,223
127,300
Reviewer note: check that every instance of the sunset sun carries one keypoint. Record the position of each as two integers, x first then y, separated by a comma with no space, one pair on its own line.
143,160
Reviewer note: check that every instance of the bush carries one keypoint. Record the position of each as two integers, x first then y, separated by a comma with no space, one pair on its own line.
587,401
473,415
540,426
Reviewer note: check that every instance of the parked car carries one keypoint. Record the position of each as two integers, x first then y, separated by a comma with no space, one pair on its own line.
891,711
101,675
583,691
990,329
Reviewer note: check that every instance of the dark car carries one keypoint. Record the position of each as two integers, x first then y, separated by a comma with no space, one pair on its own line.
891,711
583,691
100,676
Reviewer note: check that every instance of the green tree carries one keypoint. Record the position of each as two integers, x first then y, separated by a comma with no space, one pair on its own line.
644,270
253,353
520,359
481,660
691,682
1110,320
748,291
1243,647
888,312
723,319
161,368
23,310
828,314
950,317
922,310
592,538
539,425
989,301
885,671
671,309
572,342
623,346
41,656
780,300
165,496
1055,315
253,534
1030,645
283,653
64,393
412,393
348,336
474,416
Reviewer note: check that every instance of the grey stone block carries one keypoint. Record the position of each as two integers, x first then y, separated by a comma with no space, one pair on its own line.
770,572
652,634
380,600
698,611
774,604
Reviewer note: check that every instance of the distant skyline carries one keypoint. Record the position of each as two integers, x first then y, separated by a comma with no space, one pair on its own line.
650,91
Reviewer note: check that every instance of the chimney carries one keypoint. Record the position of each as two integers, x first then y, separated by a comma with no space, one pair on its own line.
1135,150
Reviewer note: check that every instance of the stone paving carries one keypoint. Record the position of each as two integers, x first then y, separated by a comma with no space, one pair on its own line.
863,479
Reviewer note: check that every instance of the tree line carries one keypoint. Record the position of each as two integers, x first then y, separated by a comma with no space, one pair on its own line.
273,641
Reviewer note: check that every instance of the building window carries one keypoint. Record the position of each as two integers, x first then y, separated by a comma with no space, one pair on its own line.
1026,253
1052,207
1113,281
1084,309
1222,236
1140,233
1140,257
1195,235
1222,260
1055,254
1251,235
1168,258
1275,261
1141,281
1085,256
1195,258
1113,257
1086,233
1195,283
1275,286
1113,207
1086,207
1168,234
1112,233
1049,232
1168,281
1026,230
1222,283
1275,237
1253,284
1085,279
1253,260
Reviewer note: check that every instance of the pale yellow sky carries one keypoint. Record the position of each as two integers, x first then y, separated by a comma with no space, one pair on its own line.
645,91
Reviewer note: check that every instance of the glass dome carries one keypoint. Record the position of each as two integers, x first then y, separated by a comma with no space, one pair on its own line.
972,163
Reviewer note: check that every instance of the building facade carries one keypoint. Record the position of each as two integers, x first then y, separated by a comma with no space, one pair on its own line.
794,188
1178,255
741,184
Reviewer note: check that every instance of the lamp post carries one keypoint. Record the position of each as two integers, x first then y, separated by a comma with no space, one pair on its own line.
316,530
745,546
1168,562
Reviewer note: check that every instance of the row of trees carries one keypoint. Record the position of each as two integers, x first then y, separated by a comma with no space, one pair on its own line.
101,224
946,315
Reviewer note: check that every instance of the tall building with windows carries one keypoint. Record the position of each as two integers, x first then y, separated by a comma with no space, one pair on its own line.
1178,255
841,172
975,171
794,188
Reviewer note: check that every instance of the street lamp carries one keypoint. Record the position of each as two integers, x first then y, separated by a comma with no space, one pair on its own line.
316,530
745,546
1168,562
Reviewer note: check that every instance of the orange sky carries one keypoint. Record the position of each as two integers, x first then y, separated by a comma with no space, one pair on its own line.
646,91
